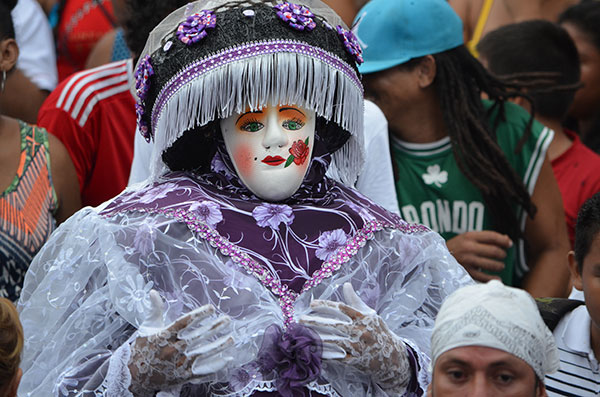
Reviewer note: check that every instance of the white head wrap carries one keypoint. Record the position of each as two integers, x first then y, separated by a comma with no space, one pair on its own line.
494,315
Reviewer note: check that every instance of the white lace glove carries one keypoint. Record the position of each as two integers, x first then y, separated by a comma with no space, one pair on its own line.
355,334
195,345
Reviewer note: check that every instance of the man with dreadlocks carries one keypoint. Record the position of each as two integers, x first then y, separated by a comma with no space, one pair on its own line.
470,169
542,55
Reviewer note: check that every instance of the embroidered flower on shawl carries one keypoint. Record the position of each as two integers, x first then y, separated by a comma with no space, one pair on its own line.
142,84
297,16
208,212
351,44
157,193
295,355
242,377
137,293
329,242
144,238
272,215
64,265
193,29
218,165
370,293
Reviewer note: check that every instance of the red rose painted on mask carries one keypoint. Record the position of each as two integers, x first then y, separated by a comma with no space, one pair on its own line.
298,152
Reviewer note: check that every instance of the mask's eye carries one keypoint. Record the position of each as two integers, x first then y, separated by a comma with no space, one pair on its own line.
293,124
251,126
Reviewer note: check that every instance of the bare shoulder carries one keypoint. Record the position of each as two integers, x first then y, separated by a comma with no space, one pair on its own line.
64,179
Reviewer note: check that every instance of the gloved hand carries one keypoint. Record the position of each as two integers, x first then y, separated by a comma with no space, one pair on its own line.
355,334
196,344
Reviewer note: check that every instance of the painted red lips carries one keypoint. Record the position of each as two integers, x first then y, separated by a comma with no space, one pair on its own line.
270,160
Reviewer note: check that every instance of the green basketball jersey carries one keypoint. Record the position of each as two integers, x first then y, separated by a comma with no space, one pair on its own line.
433,191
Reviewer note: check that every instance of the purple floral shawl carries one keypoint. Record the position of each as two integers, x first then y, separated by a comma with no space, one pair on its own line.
289,246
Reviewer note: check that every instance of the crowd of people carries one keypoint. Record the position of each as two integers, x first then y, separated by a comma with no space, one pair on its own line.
303,198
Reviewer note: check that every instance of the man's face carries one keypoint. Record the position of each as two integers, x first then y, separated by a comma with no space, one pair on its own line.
476,371
587,98
589,282
271,148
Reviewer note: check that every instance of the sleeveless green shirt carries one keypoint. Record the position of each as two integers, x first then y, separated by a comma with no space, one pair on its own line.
433,191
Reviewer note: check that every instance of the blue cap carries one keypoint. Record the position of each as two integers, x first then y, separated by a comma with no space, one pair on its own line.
392,32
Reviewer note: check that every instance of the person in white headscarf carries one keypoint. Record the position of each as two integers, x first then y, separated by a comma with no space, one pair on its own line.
490,340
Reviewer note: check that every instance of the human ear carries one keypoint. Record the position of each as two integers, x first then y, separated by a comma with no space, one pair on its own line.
9,53
426,71
541,389
575,274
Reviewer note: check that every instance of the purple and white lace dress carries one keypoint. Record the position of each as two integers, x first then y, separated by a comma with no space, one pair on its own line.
205,239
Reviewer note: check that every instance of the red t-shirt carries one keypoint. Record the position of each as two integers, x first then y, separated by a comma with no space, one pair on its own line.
93,114
577,172
82,24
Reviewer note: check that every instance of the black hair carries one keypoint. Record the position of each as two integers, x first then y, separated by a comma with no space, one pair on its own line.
7,29
586,17
459,82
142,17
586,228
539,55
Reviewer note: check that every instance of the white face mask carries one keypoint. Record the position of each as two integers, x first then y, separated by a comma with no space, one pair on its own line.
271,148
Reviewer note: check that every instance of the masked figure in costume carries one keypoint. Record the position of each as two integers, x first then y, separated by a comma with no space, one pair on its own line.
240,268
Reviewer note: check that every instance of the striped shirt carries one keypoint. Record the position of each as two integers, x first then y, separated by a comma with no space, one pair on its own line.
579,373
93,114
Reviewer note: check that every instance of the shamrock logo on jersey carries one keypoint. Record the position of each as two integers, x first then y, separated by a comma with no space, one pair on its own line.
435,176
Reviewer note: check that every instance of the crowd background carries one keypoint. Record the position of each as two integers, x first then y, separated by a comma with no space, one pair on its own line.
521,94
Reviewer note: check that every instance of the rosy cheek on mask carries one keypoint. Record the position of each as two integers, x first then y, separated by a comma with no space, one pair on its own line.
244,159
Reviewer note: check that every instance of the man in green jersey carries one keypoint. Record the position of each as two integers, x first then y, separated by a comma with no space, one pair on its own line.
475,171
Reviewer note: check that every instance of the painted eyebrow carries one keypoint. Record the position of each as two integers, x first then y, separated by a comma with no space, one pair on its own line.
282,109
243,114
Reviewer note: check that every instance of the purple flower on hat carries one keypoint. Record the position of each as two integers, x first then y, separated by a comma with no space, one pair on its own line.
329,242
297,16
193,29
142,84
273,215
351,44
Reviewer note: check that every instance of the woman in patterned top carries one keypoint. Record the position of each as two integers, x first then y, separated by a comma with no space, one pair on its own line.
32,199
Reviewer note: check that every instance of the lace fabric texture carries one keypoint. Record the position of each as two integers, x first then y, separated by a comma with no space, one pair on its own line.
373,349
87,293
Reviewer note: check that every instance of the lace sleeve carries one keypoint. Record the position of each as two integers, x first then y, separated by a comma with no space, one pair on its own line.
404,278
87,292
